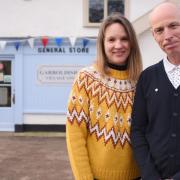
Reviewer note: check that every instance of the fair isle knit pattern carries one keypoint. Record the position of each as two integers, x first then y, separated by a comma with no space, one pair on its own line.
99,110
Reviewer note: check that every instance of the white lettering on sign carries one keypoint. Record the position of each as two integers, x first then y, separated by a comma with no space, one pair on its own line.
63,50
51,74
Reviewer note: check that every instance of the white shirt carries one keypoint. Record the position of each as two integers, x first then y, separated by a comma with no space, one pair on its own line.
173,72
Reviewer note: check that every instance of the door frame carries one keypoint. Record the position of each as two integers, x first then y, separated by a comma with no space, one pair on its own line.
9,126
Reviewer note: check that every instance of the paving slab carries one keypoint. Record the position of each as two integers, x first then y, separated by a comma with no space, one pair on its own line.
34,156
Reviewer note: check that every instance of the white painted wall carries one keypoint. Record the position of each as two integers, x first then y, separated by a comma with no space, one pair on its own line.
44,119
43,17
139,7
151,53
54,17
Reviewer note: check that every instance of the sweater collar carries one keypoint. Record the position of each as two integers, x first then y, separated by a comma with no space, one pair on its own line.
117,67
117,74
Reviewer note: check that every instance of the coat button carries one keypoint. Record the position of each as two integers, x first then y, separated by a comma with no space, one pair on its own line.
175,114
173,135
171,155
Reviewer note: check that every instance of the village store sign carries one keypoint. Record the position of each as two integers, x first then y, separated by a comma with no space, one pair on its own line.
48,74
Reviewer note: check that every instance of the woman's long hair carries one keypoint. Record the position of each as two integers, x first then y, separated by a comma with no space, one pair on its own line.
134,61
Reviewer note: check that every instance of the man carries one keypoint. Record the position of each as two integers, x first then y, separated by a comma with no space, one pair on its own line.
155,129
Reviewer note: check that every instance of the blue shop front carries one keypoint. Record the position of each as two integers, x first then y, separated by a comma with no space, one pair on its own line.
36,75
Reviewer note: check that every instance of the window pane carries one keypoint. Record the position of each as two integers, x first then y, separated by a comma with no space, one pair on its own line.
5,71
5,96
115,6
96,11
5,83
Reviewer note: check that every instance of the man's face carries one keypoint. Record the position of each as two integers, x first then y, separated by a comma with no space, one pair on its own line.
166,30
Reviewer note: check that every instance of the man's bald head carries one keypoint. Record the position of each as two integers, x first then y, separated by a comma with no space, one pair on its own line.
165,27
164,10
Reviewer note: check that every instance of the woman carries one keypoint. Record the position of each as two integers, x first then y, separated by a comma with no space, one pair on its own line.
100,105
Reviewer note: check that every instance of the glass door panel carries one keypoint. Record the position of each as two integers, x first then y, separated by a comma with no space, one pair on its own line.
5,83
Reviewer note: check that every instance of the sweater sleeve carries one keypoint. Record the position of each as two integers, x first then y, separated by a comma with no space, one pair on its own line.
138,136
76,131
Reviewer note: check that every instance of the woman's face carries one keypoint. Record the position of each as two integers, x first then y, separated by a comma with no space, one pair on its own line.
116,44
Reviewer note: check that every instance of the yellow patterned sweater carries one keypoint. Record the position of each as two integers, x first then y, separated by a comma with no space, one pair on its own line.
98,126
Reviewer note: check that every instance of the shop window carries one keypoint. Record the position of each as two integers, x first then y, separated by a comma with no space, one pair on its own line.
94,11
5,83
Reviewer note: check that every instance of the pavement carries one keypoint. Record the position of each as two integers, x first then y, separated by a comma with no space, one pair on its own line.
34,156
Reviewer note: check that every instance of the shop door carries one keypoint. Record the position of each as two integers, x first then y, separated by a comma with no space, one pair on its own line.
7,96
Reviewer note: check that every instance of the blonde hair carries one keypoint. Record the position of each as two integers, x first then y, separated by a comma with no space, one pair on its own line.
134,62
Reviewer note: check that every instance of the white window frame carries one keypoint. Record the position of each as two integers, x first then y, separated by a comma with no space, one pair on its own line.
86,22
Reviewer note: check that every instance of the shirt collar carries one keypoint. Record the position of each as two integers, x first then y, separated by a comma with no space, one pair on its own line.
168,66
